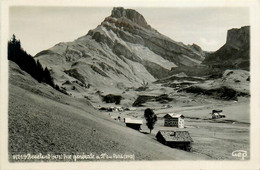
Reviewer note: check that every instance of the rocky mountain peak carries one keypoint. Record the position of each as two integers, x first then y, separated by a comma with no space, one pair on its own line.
132,15
122,51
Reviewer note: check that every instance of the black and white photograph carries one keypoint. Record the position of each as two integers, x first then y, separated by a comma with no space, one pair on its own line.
126,83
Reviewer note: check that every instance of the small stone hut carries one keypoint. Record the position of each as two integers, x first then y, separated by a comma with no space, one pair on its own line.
175,139
174,120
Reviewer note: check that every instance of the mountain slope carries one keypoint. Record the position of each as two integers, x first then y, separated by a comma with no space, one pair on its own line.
123,50
42,120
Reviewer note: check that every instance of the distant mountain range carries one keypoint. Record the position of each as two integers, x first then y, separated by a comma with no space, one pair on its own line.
125,51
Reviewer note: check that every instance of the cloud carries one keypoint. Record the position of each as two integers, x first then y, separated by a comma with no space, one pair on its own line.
208,42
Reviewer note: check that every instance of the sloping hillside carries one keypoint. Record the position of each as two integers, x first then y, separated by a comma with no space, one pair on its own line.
42,120
232,84
123,50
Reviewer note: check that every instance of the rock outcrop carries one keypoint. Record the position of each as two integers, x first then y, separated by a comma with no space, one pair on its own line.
130,14
235,53
238,37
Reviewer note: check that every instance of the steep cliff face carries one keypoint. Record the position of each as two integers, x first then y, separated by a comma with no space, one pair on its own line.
123,49
238,37
235,53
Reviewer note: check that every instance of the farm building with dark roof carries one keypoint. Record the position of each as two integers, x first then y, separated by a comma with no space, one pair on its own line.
175,139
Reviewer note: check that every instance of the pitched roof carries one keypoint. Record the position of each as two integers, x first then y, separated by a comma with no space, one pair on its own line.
216,111
174,115
175,136
133,121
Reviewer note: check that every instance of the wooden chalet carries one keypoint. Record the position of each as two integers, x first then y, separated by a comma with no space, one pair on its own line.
175,139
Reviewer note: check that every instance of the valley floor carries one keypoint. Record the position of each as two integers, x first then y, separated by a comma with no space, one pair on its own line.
214,138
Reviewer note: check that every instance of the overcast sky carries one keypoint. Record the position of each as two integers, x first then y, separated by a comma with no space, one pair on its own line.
40,28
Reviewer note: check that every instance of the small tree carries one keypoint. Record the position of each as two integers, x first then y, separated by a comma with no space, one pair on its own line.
150,118
47,77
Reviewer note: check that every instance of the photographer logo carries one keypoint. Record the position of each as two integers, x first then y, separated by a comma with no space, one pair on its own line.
240,154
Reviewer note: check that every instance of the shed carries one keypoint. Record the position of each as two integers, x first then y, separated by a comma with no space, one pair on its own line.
174,120
175,139
133,123
216,114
